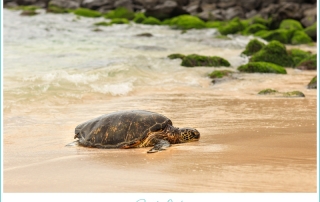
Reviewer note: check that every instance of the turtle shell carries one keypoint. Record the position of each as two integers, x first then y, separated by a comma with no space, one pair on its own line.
120,129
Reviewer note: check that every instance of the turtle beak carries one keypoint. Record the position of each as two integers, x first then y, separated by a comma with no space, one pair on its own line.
197,135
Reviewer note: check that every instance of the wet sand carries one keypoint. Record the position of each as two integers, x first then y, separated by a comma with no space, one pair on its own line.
249,143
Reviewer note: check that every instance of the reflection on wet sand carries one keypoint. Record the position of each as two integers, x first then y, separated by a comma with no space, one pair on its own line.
246,145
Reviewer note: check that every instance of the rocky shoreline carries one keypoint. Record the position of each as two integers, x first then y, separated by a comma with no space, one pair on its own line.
279,24
304,11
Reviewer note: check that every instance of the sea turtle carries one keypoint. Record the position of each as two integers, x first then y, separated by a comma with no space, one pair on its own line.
129,129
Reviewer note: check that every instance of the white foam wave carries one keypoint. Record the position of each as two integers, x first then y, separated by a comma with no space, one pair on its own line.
113,89
60,76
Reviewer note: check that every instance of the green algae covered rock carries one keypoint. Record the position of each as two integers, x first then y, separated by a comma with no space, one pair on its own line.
298,55
293,94
145,34
289,32
176,55
268,91
113,21
218,76
313,83
275,52
102,24
260,20
214,24
84,12
199,60
254,28
290,25
253,46
120,12
281,35
232,27
29,13
57,9
311,31
139,17
119,21
219,73
309,63
300,37
262,67
245,23
151,21
186,22
26,8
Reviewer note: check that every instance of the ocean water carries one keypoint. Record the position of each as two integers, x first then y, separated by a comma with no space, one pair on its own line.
61,57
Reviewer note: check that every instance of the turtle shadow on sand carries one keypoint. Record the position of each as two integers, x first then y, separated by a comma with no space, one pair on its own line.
132,129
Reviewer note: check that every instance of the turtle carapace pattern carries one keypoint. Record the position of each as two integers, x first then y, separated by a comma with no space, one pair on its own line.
132,129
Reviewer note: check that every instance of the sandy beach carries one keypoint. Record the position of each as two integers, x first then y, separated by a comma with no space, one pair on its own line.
248,144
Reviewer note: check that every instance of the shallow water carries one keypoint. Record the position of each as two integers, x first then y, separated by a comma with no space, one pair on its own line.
58,72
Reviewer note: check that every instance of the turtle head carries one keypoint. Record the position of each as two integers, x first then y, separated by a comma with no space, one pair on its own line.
189,134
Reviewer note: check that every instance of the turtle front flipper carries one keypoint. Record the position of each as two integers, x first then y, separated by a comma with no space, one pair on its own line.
161,145
74,143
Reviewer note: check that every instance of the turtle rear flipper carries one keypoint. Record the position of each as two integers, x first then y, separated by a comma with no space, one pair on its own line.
161,145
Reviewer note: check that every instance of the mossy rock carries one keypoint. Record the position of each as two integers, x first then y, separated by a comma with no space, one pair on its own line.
260,20
84,12
268,91
232,27
57,9
275,52
311,31
313,83
195,60
146,34
281,35
176,55
309,63
262,67
214,24
290,24
102,24
261,33
245,22
119,21
97,30
120,13
167,21
293,94
254,28
26,8
151,21
219,73
139,17
29,13
298,55
186,22
300,37
253,46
